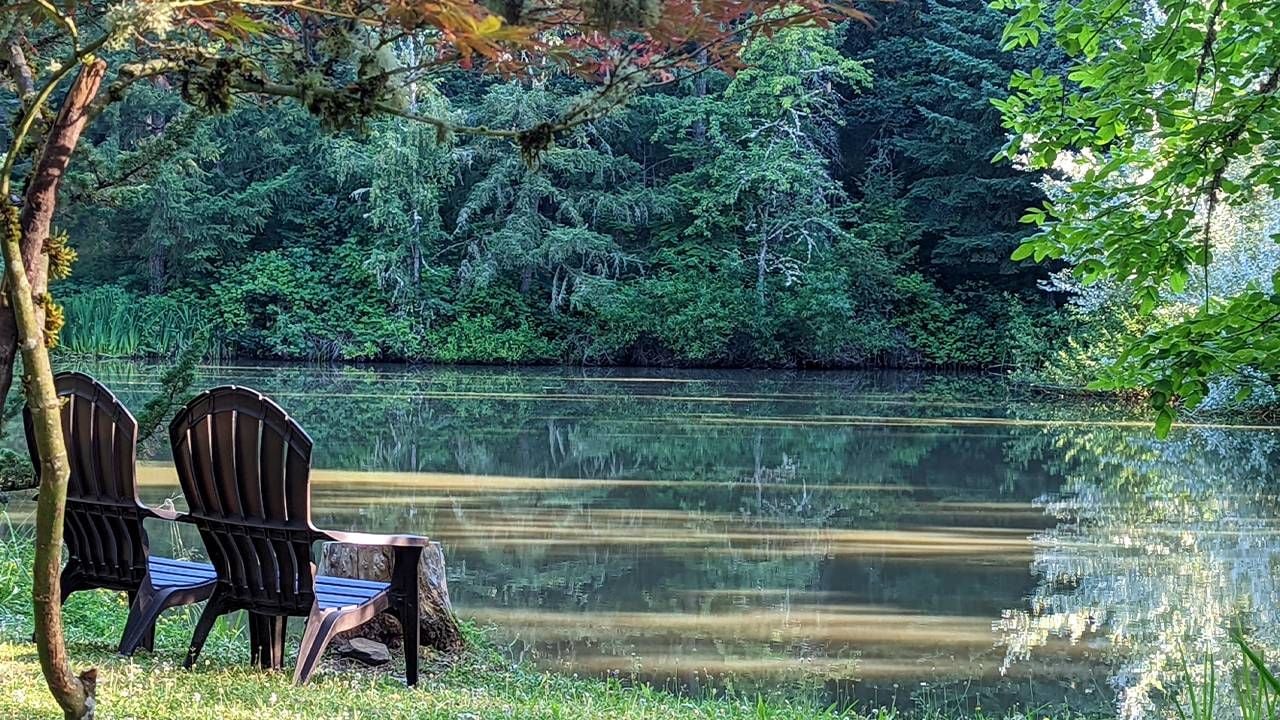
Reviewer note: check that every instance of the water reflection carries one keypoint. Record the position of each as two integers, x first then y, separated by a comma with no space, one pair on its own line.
1160,548
863,536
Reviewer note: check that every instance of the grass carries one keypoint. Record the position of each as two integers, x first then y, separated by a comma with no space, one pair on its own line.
482,686
109,321
1254,688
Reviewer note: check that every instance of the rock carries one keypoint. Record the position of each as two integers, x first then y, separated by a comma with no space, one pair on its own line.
366,651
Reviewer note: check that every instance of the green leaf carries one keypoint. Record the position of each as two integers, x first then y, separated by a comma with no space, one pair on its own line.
1023,251
1256,660
1164,421
247,25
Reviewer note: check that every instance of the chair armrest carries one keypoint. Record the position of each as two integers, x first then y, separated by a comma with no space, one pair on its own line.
394,541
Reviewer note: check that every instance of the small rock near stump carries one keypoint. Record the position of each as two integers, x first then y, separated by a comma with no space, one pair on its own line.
366,651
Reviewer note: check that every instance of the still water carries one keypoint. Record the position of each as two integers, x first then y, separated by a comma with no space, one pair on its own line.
864,537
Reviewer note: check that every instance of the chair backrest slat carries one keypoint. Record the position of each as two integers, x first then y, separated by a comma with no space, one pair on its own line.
245,467
271,453
103,521
247,452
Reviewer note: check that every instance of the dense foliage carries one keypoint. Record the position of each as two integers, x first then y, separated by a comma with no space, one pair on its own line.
832,205
1166,119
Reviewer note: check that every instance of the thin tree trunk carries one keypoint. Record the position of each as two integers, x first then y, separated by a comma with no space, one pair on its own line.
19,69
157,279
8,344
20,72
762,266
699,91
26,280
39,203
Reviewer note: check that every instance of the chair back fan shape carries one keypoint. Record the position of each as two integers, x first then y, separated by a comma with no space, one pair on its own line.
105,538
245,468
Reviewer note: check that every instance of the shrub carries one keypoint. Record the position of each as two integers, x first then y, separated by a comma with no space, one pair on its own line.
299,304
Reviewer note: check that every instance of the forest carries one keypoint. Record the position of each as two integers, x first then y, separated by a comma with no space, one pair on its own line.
834,204
1076,197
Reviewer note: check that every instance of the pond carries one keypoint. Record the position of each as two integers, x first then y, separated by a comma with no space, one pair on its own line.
866,537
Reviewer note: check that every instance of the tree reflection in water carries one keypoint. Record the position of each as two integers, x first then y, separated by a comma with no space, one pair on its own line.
1159,549
854,534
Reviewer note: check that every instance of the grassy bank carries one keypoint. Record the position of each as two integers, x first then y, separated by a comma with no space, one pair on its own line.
484,685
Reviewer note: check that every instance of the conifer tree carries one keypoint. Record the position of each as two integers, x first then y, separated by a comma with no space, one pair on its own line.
936,65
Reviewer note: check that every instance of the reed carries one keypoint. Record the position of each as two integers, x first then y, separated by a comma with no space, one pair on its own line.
110,321
101,321
1255,688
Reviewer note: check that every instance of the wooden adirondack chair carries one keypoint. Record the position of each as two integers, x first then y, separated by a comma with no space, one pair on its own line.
105,538
245,469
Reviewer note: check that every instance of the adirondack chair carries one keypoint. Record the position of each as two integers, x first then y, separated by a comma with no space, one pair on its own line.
106,542
245,469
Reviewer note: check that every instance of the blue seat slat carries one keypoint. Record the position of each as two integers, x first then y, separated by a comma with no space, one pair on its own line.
166,572
170,562
165,566
353,582
332,592
163,578
341,600
347,592
178,582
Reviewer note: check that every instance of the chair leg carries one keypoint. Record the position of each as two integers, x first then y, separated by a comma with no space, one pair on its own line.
321,627
266,640
410,623
145,607
212,610
404,594
68,582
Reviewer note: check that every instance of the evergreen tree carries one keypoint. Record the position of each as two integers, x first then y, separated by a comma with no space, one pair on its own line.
398,177
167,195
766,220
550,225
937,64
722,221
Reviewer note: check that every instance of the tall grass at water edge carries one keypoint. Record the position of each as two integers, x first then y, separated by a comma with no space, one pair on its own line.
1253,692
110,321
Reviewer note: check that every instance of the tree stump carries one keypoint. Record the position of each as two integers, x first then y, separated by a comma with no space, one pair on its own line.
438,627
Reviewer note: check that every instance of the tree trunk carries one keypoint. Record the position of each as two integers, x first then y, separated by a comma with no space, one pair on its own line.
762,266
20,72
699,129
39,203
11,52
8,345
156,272
438,626
26,279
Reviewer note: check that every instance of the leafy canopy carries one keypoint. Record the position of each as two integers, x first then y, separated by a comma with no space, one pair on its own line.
1167,111
349,60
